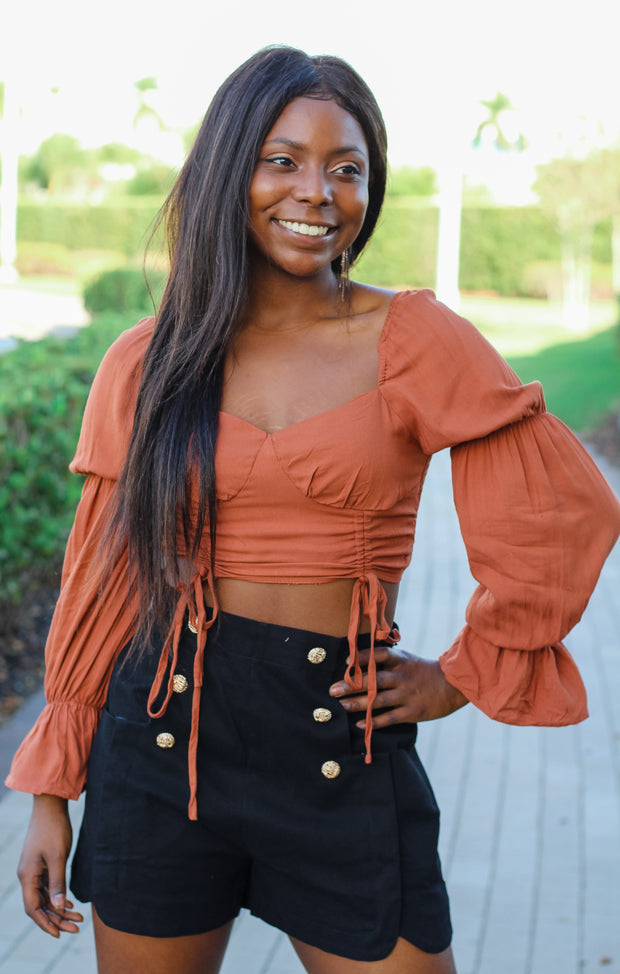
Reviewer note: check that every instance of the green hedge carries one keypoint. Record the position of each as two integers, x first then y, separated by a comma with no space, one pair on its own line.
499,244
125,288
123,225
43,390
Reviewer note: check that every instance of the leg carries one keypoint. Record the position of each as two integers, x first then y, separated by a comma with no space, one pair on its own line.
404,959
126,953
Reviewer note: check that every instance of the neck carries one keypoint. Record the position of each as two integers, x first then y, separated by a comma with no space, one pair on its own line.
276,300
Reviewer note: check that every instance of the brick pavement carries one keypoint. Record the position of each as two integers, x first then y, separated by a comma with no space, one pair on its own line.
530,816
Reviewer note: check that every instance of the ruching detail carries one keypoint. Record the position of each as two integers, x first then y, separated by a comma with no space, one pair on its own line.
368,601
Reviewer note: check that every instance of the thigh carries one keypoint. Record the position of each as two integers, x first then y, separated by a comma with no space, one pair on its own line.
404,959
126,953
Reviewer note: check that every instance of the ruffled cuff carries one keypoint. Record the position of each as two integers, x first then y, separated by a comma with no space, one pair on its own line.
44,764
517,686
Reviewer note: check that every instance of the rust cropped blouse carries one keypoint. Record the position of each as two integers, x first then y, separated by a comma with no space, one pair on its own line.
336,496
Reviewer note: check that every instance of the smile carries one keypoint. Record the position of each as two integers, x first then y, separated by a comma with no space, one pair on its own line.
305,228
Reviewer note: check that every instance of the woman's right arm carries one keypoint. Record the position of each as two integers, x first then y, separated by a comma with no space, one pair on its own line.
42,867
89,628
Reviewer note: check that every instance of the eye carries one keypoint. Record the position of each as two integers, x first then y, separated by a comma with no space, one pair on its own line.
284,161
348,169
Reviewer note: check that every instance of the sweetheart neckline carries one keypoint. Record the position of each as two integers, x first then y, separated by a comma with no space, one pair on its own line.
326,412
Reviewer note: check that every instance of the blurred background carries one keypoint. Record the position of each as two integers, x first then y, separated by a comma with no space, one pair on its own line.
504,195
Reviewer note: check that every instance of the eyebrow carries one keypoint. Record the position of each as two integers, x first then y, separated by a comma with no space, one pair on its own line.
299,145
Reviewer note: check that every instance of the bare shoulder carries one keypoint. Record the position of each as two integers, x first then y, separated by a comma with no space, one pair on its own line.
370,305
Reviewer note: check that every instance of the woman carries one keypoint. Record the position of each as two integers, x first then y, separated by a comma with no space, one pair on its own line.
254,462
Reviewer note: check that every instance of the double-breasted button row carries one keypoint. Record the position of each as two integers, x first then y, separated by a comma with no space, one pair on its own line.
179,685
329,769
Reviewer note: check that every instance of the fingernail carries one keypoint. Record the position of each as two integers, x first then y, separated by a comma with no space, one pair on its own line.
337,690
58,899
361,724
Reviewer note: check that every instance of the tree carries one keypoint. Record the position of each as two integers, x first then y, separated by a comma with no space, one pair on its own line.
497,107
60,163
576,194
145,110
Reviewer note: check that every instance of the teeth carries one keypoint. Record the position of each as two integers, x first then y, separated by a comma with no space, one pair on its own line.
305,228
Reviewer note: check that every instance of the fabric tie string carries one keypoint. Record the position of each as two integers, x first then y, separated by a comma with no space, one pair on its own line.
368,601
191,602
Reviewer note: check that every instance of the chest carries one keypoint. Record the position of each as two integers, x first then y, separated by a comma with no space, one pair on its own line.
276,381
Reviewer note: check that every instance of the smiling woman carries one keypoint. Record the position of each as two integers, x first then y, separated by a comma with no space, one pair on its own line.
309,192
223,672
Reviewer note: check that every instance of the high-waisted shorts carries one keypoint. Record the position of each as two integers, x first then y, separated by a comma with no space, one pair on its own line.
292,823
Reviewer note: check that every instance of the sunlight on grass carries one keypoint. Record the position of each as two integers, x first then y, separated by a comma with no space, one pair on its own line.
522,326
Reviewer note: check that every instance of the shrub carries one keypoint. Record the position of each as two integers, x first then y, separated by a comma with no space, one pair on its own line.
43,390
124,289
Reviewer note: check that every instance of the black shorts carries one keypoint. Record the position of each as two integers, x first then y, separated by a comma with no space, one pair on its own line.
292,823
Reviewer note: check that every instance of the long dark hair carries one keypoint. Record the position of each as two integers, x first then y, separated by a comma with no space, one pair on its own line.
206,219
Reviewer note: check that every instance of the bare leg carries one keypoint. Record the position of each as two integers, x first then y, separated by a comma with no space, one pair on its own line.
404,959
126,953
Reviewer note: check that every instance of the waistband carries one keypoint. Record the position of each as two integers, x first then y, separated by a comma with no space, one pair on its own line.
368,602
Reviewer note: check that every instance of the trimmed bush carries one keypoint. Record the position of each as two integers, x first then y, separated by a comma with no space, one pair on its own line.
43,390
124,289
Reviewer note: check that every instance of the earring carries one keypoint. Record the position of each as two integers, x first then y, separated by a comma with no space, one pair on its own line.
344,284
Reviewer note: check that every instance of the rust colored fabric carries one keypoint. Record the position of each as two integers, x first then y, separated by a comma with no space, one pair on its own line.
336,496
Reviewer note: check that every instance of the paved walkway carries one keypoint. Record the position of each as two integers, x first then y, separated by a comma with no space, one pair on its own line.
530,816
30,314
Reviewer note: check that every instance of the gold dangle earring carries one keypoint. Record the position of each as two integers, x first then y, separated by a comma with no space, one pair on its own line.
344,284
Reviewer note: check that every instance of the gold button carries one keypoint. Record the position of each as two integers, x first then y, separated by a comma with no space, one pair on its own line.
192,628
179,683
322,715
330,769
317,655
165,740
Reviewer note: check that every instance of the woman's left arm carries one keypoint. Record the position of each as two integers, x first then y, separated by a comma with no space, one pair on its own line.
537,517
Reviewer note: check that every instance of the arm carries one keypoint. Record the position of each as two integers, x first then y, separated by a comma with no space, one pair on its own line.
537,517
88,631
42,865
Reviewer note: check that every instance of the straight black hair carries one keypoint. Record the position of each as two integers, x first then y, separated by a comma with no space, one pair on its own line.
167,486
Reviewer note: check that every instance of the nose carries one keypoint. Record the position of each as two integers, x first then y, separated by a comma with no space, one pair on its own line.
313,186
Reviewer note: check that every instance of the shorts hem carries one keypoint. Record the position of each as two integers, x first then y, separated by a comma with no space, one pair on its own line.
338,944
155,930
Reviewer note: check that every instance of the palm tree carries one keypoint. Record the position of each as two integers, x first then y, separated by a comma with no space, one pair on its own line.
496,107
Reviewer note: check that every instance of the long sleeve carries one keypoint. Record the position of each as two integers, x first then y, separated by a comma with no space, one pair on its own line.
537,517
91,624
538,521
86,634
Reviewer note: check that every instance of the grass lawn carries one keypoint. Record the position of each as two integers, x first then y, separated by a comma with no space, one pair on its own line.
580,373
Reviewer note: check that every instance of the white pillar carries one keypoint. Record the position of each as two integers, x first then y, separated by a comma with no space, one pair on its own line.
9,186
449,234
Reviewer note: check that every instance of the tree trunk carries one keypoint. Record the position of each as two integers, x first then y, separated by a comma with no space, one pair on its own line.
615,253
576,272
8,188
449,235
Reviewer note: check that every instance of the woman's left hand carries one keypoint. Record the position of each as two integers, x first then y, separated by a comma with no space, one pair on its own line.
409,689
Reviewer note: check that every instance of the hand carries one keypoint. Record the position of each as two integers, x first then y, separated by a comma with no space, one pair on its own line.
42,866
412,689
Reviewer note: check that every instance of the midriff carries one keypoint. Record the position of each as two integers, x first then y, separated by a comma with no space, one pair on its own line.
324,607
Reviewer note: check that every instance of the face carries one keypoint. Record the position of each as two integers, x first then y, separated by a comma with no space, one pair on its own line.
309,192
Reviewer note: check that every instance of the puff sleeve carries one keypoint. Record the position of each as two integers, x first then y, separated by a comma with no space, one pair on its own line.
90,625
537,517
